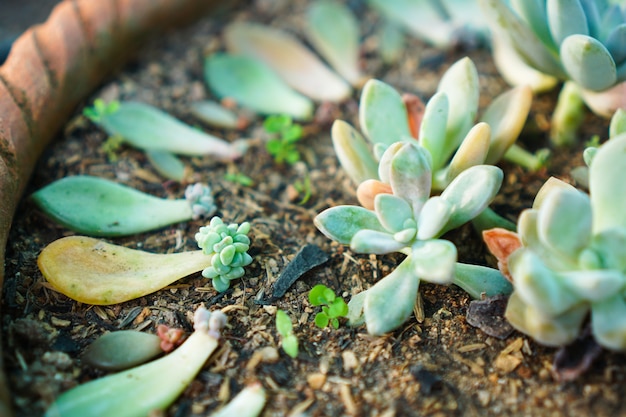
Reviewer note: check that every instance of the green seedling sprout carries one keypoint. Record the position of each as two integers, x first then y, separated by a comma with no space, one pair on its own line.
95,272
239,178
282,146
154,386
289,341
333,307
99,207
304,187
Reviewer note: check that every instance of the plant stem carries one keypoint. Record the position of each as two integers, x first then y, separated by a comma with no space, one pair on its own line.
488,219
478,280
526,159
567,116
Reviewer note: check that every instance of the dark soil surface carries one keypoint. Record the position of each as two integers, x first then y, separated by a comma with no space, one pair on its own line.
438,365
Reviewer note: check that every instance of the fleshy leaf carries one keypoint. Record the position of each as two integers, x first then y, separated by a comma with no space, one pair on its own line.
566,17
353,152
472,152
608,321
389,303
608,198
392,211
214,114
434,260
548,188
616,43
375,242
478,280
382,113
147,127
293,62
471,192
334,32
341,223
433,217
536,17
588,62
122,349
253,85
409,175
432,135
611,245
166,164
618,123
99,207
594,285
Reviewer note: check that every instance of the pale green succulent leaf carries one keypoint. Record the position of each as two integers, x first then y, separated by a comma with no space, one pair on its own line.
382,113
214,114
375,242
618,123
341,223
594,285
473,151
392,211
548,188
460,84
432,135
608,322
534,14
506,115
434,216
355,309
547,330
384,163
166,164
391,42
588,62
610,245
389,303
353,152
616,43
479,280
608,198
471,192
564,222
409,175
566,17
334,32
538,285
434,260
254,85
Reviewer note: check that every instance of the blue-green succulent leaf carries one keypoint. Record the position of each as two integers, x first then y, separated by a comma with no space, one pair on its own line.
389,303
382,113
594,285
373,241
341,223
588,62
566,17
479,280
434,260
616,43
564,222
392,211
166,164
432,135
610,245
353,152
608,198
534,14
608,321
434,216
592,14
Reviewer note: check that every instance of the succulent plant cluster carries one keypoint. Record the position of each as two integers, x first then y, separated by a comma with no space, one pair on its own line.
572,262
228,247
406,219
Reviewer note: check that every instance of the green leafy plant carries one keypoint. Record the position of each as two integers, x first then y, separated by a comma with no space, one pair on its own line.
100,109
404,218
289,341
333,307
283,145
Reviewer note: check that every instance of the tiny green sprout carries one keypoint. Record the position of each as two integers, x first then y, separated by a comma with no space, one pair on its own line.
285,329
304,187
239,178
333,307
101,109
283,147
111,146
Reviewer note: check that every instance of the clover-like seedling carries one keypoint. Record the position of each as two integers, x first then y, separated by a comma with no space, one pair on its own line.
289,341
333,307
101,109
400,216
572,259
580,42
285,134
227,245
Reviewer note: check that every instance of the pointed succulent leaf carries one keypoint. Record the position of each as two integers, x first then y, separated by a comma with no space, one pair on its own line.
564,222
608,195
473,151
594,285
479,280
534,14
539,286
588,62
353,152
616,43
547,330
410,176
566,17
548,188
618,123
608,322
392,211
460,83
389,303
432,134
355,309
506,115
384,164
291,60
375,242
254,85
99,207
434,260
334,32
433,217
382,114
341,223
471,192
